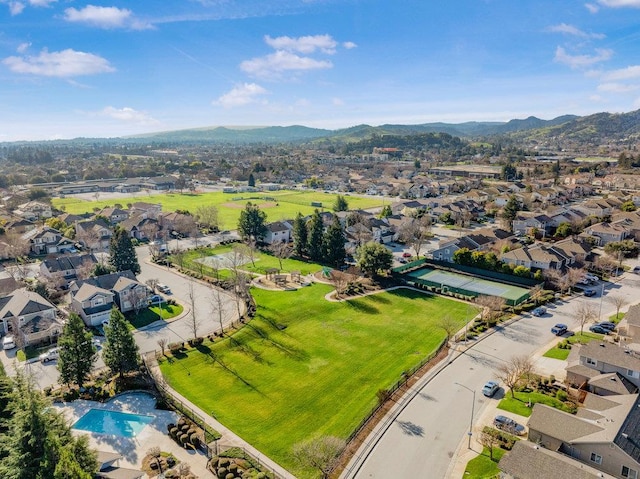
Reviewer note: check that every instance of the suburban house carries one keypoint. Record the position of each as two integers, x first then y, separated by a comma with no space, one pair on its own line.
140,227
277,232
113,214
128,293
66,268
94,234
632,317
526,222
536,256
603,434
596,358
575,249
34,317
20,226
148,210
446,249
178,222
158,183
34,210
92,303
46,240
530,461
607,232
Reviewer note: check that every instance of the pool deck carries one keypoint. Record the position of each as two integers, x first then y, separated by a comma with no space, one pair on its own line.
133,449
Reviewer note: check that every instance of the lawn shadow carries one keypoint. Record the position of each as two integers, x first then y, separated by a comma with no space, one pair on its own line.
245,348
362,306
204,349
290,351
379,298
219,361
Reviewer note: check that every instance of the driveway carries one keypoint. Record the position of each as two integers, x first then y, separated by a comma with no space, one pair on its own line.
424,437
181,329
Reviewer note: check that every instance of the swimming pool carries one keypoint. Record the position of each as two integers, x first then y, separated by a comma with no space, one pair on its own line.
114,423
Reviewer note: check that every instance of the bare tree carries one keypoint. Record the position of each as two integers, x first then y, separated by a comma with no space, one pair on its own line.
511,371
488,440
585,313
241,286
573,276
152,283
84,270
491,307
281,250
553,277
216,303
194,323
162,342
155,453
415,232
207,216
139,299
150,230
321,453
448,325
535,293
183,469
14,247
618,302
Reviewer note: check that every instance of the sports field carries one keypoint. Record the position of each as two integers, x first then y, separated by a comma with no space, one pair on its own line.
278,205
446,279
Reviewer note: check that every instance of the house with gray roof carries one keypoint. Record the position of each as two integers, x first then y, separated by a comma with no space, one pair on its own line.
632,318
29,317
603,358
66,267
536,257
93,304
603,434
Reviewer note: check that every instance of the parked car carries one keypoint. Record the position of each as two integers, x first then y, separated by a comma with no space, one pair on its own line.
156,298
607,325
490,388
50,355
636,270
406,255
598,329
589,292
539,311
8,342
509,425
592,277
163,288
559,329
105,322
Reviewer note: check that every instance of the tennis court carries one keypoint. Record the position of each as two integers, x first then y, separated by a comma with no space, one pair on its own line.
469,284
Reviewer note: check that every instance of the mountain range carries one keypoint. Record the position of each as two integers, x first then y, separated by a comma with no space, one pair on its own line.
596,127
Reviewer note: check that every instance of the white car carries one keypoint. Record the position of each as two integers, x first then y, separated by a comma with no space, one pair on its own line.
8,342
163,288
50,355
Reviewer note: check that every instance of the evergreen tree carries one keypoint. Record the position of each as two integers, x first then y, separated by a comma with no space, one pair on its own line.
123,256
333,243
510,210
252,180
299,236
386,212
373,258
38,437
77,353
315,230
340,204
120,351
252,223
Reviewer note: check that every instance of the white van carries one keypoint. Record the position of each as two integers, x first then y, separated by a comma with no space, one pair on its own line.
8,342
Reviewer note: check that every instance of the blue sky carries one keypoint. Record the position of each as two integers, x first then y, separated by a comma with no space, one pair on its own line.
71,68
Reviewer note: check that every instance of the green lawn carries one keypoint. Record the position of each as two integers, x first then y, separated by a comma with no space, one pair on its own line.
306,366
153,314
519,404
482,467
563,354
279,205
263,261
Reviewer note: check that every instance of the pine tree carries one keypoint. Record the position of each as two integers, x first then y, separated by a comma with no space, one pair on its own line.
299,236
340,204
252,180
123,256
252,223
386,211
77,353
315,230
120,351
333,243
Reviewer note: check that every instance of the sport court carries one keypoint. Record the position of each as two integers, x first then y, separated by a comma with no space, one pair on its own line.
469,284
222,261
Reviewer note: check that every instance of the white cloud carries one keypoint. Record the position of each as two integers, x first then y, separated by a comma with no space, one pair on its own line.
572,30
616,87
280,61
620,3
622,74
63,64
41,3
337,101
104,17
307,44
23,47
592,7
349,45
16,8
241,95
580,61
128,115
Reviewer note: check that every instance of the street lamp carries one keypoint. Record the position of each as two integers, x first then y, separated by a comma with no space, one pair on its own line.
472,391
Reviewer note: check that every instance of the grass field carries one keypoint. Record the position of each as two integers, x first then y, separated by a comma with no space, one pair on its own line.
563,354
306,366
278,205
482,467
153,314
263,261
519,404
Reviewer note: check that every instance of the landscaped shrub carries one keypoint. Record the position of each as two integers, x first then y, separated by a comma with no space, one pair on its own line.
224,462
230,475
222,471
184,439
561,395
233,468
170,426
195,440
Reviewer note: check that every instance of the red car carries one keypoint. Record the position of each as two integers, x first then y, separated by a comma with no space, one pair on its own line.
406,255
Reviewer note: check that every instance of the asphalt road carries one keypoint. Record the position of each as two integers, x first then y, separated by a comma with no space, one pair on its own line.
425,436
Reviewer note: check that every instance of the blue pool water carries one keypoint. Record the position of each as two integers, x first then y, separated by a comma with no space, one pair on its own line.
102,421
